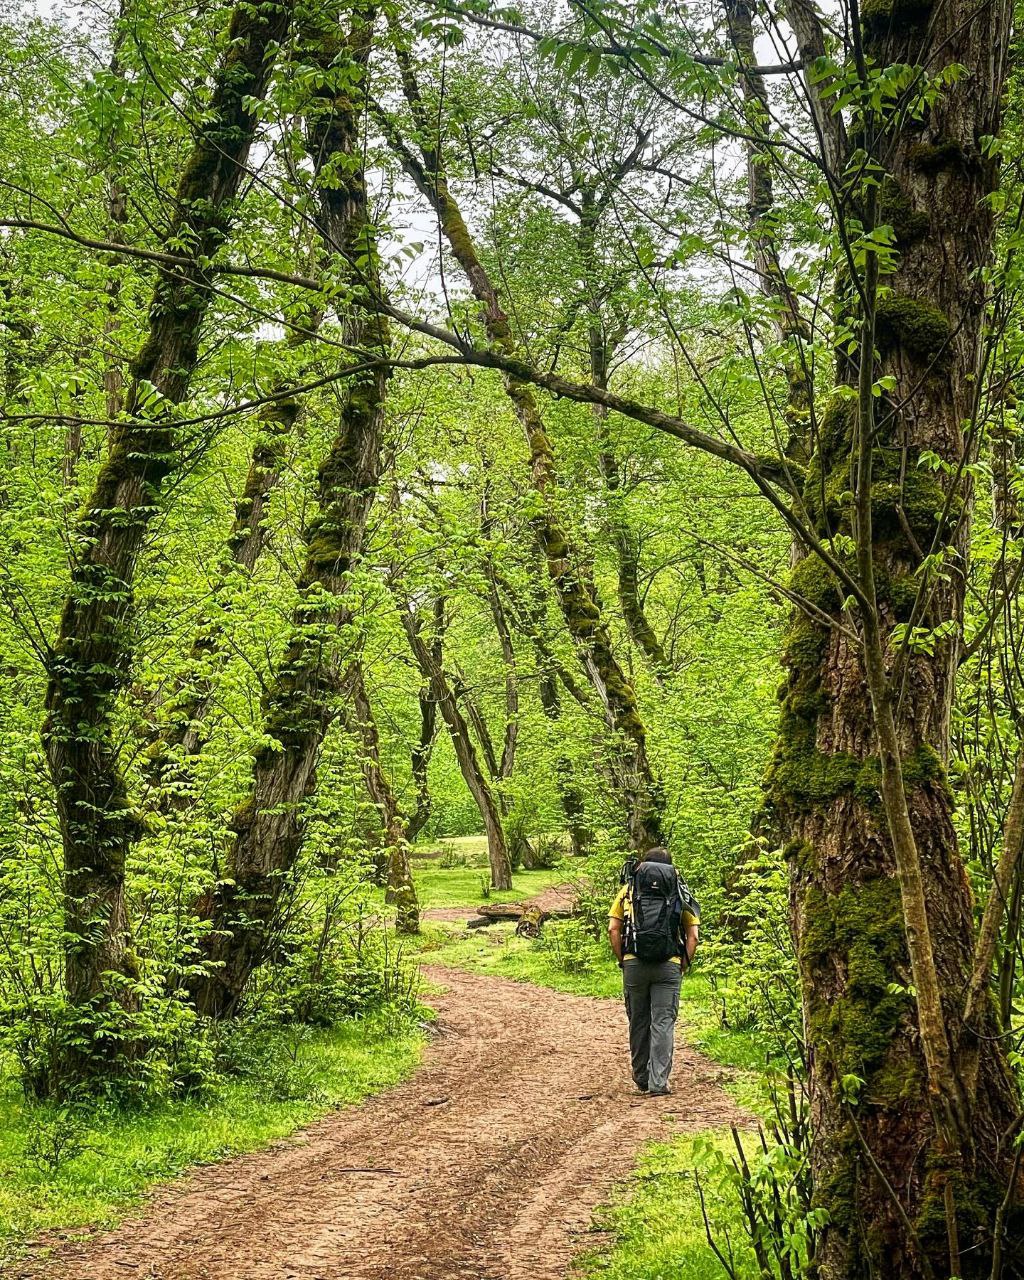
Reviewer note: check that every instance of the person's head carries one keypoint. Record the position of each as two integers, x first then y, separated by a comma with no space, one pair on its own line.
658,854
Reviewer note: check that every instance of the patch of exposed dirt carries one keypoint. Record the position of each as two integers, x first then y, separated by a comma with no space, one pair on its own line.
485,1165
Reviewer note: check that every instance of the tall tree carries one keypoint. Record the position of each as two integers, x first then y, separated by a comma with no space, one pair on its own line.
881,906
93,649
299,703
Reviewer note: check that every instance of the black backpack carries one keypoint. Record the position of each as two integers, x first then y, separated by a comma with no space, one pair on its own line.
656,910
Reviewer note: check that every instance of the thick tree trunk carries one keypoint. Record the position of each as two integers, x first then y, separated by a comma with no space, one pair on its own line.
399,890
432,668
299,703
642,793
910,1160
92,654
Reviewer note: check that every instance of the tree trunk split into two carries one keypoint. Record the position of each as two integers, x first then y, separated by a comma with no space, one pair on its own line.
431,665
300,701
93,649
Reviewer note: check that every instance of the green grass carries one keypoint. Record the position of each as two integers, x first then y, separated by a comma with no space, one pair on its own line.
658,1229
438,886
127,1152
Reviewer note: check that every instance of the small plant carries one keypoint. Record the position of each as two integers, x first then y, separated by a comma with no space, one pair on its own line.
451,859
485,887
57,1136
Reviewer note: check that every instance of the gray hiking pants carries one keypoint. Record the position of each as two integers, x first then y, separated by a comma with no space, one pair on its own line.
652,1003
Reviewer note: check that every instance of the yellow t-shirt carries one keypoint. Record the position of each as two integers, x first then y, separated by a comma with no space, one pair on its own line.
622,907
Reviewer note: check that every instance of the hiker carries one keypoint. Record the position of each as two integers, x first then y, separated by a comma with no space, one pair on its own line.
652,927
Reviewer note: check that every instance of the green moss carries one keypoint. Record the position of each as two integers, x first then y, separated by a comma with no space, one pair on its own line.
243,816
882,16
896,210
802,855
933,158
815,582
910,490
920,329
861,928
837,426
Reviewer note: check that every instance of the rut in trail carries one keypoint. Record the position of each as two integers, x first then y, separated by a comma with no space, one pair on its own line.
486,1165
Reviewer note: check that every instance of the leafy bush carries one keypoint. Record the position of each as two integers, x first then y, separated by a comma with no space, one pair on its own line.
569,945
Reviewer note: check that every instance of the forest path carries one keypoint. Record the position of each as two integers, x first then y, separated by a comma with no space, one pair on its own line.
484,1165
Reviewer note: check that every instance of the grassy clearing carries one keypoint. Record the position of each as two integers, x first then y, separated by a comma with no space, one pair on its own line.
468,885
122,1154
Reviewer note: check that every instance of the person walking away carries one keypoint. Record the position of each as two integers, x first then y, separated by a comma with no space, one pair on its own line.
653,930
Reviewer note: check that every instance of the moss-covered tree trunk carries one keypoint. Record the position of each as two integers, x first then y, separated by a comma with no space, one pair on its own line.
93,650
300,700
641,791
893,1075
429,660
424,747
399,888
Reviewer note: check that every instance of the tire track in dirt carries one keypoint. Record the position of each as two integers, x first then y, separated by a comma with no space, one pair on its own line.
485,1165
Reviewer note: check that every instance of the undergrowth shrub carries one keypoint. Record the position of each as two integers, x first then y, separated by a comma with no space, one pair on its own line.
570,945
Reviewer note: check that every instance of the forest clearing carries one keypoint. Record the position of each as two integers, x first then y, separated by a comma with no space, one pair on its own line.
511,545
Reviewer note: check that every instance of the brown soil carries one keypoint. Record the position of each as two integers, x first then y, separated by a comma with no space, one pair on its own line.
485,1165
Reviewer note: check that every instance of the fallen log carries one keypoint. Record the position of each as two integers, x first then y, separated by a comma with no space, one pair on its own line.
530,922
495,911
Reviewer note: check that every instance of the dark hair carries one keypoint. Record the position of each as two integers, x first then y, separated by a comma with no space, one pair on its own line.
657,854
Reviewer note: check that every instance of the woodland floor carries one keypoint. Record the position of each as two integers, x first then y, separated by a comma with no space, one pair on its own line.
485,1165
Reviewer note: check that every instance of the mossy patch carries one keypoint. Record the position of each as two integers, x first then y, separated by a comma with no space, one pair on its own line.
861,928
920,329
932,158
896,209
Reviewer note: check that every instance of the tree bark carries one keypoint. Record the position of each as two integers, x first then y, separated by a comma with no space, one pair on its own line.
399,889
93,650
424,748
431,666
909,1160
299,703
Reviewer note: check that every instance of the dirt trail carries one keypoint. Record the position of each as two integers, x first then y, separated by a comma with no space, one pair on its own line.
485,1165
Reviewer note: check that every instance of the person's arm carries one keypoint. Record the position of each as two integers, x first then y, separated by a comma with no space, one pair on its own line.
691,942
615,937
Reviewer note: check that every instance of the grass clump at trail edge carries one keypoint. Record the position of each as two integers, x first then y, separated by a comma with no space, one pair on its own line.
658,1232
72,1168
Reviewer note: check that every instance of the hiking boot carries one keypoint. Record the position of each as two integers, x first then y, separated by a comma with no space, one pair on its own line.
643,1088
661,1093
